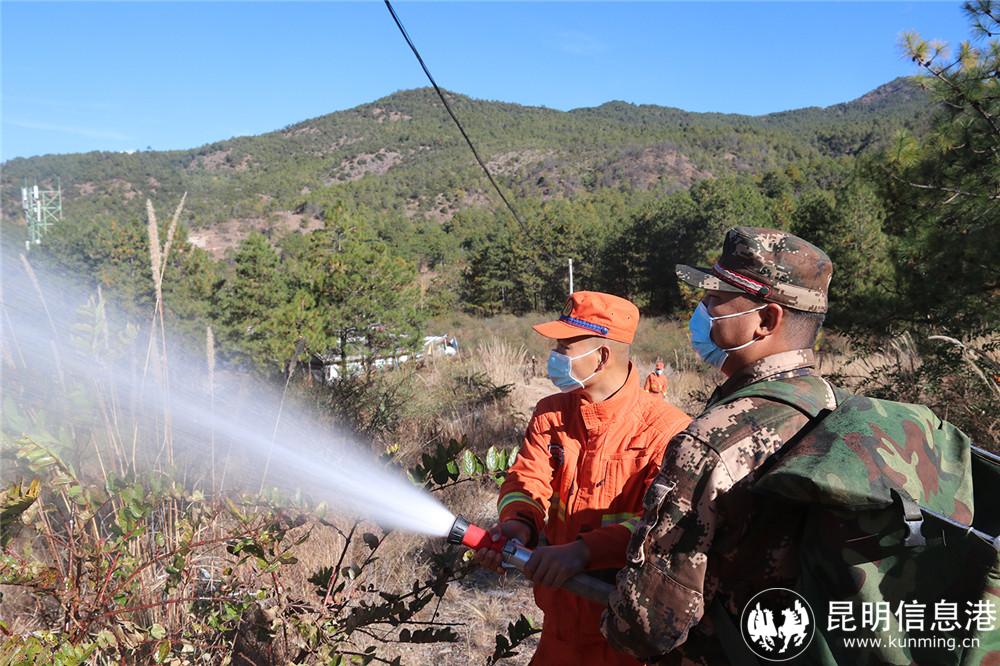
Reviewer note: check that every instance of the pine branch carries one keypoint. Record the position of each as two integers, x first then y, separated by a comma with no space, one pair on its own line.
939,75
951,190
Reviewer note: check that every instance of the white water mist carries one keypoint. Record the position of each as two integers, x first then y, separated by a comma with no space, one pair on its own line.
74,370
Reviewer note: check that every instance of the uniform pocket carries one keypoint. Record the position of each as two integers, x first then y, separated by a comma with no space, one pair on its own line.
662,611
623,476
651,505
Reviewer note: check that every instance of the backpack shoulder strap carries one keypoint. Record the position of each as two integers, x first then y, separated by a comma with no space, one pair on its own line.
812,395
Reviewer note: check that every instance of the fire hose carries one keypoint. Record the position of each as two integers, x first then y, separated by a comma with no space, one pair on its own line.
516,555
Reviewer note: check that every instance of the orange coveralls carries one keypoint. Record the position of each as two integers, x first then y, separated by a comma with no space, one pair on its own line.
656,384
582,473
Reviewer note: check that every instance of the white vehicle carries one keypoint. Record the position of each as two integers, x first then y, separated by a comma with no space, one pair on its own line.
440,345
331,368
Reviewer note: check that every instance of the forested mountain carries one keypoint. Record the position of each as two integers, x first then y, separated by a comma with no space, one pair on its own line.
377,217
402,156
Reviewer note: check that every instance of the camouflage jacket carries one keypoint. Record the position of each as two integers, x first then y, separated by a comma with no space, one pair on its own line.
704,536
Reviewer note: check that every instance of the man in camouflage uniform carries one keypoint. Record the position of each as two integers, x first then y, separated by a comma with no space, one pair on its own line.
707,545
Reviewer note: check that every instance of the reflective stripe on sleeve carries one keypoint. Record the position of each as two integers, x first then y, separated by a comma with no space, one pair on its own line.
627,520
511,498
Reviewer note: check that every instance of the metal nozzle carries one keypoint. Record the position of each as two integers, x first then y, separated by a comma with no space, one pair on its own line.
515,555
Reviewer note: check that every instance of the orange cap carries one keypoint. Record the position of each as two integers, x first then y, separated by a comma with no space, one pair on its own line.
594,313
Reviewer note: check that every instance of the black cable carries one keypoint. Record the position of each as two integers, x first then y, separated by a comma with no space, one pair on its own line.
451,113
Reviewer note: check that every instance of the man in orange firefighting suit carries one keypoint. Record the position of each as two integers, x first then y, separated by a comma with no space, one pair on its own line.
589,454
656,382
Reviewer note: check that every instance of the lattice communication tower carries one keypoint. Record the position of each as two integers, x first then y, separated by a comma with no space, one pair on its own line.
42,209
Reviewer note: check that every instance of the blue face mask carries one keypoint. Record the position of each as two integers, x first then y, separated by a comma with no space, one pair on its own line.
560,370
701,335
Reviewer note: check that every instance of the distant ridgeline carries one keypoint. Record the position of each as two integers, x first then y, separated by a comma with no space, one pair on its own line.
402,155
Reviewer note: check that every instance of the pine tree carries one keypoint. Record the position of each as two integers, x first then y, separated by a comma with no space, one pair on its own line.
364,300
247,300
848,226
946,203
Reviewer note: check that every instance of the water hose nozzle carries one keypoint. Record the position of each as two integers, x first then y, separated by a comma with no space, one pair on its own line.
472,536
516,556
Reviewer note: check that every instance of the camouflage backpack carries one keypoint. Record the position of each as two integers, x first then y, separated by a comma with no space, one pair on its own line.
900,558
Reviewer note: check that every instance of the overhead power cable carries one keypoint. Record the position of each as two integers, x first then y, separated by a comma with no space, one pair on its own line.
461,129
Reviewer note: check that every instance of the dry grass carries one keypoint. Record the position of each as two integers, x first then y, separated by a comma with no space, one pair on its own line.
515,330
656,337
853,367
503,361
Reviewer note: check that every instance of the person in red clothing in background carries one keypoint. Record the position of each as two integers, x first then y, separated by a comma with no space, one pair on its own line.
656,382
589,454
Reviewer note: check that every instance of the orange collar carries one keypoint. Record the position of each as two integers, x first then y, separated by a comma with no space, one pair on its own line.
597,416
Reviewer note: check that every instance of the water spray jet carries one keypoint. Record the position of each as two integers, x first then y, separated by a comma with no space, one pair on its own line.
271,443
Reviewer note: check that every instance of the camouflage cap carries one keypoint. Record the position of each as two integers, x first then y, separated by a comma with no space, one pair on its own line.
770,264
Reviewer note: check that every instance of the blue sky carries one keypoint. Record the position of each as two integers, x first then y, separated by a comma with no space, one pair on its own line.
126,75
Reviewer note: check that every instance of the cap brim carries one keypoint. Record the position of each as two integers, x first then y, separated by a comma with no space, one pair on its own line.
703,278
557,330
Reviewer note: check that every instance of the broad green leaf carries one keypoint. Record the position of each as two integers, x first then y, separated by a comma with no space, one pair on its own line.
492,459
162,651
468,463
